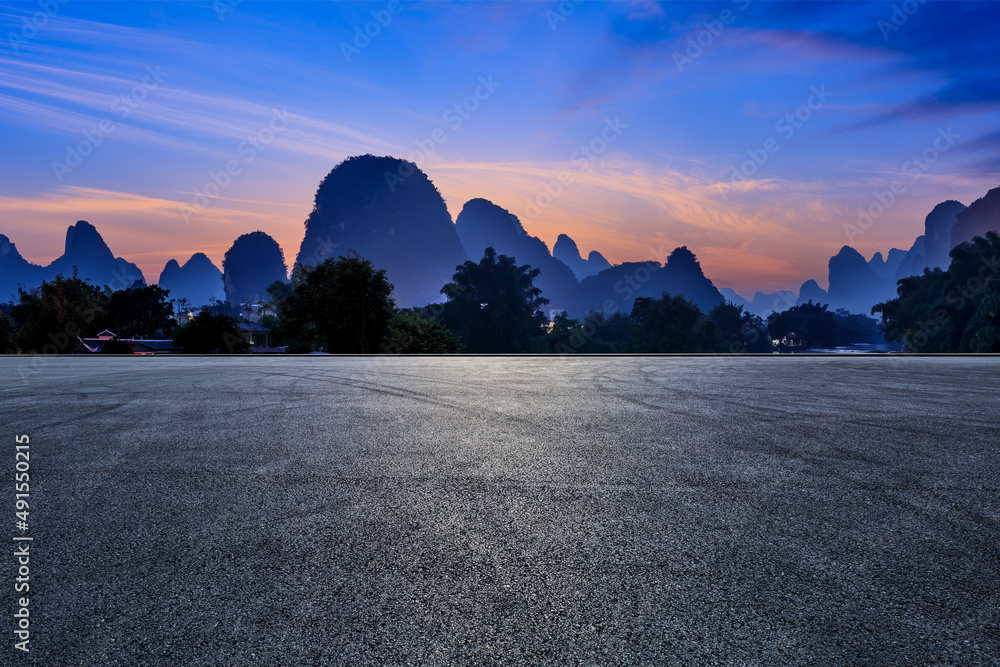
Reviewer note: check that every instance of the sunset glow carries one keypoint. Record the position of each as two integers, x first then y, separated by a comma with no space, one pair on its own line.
752,133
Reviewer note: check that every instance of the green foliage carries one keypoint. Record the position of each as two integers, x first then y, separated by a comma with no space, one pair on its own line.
811,323
494,305
208,333
853,328
51,317
672,324
409,333
613,333
140,312
567,335
742,330
269,321
957,310
595,334
7,331
343,304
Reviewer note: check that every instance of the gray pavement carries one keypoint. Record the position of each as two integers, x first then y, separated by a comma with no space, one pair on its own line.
508,510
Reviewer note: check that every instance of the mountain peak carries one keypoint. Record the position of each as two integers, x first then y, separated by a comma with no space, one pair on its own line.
983,215
251,265
489,219
849,253
198,280
390,212
567,252
682,257
483,224
84,237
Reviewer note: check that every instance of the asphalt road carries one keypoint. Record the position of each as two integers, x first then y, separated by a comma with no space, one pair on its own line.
507,510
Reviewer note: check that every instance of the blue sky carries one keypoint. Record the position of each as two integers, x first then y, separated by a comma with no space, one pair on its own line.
674,101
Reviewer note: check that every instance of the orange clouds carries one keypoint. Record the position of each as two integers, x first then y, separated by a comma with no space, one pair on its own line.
146,230
767,234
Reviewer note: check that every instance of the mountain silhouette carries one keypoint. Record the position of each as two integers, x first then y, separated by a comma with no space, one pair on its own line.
483,224
389,212
16,271
937,233
886,268
84,252
93,259
811,291
854,285
913,261
730,295
254,262
983,215
765,303
615,289
566,251
198,280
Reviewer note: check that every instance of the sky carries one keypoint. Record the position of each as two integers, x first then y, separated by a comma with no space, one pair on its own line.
755,133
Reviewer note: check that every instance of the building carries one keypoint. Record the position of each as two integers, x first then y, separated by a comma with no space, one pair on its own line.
258,337
96,344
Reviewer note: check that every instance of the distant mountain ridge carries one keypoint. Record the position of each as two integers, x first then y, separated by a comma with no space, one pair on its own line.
388,211
982,215
483,224
616,289
857,285
198,280
84,251
567,252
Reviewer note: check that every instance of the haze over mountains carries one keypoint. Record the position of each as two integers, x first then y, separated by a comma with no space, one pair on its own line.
197,280
565,251
388,211
84,251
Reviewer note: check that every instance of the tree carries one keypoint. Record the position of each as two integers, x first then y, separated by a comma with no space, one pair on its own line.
409,333
594,334
208,333
344,304
494,306
7,331
672,324
51,317
812,323
854,328
744,331
612,333
140,312
567,335
957,310
181,308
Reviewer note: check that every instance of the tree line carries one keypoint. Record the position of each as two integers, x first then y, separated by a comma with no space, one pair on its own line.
345,305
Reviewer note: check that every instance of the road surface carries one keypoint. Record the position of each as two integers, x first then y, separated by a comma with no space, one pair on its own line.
484,510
